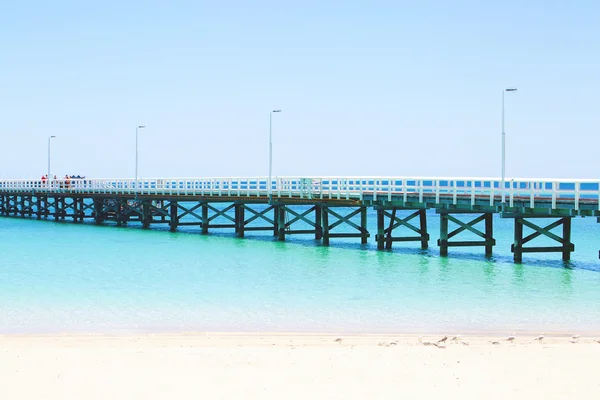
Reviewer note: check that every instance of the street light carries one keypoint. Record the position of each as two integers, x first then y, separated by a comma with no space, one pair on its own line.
504,143
49,139
269,184
137,128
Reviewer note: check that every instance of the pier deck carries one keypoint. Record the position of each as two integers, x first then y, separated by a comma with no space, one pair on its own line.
332,202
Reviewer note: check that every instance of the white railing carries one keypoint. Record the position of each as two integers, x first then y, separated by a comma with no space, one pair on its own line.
489,190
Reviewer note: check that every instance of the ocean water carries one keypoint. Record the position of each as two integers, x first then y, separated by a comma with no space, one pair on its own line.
65,277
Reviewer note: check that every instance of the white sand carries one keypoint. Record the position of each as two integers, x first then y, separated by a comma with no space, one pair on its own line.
269,366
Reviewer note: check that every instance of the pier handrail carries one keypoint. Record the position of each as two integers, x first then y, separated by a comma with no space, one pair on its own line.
534,191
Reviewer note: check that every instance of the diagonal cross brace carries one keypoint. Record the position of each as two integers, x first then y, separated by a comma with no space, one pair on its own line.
87,206
160,210
222,213
401,222
345,219
300,217
466,226
542,231
258,214
189,211
70,205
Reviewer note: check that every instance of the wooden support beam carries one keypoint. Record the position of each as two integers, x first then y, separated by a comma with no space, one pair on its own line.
281,223
364,233
3,205
239,220
57,208
98,212
190,211
276,221
38,207
243,224
388,236
173,218
221,213
146,214
380,229
258,228
566,247
443,242
46,207
119,214
318,222
423,225
487,235
16,205
205,218
83,208
385,235
21,205
87,206
325,215
76,210
259,215
343,219
566,251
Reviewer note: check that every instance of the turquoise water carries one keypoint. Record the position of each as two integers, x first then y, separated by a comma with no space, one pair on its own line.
63,277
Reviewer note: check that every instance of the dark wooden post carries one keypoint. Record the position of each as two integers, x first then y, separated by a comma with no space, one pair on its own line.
517,246
325,215
239,220
46,207
364,233
15,206
566,255
275,221
75,210
318,222
57,209
423,226
38,206
98,211
388,237
146,215
204,218
173,219
489,234
443,242
380,229
118,214
281,224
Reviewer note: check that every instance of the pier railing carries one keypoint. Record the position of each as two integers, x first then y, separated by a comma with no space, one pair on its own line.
577,192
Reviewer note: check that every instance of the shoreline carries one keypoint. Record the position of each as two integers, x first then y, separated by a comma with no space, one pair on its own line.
464,332
258,338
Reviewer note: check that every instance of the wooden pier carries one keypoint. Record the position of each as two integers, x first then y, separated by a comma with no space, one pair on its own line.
325,208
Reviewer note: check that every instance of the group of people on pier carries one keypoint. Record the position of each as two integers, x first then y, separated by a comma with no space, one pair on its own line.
64,183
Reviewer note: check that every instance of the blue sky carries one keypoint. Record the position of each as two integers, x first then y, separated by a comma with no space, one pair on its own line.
366,88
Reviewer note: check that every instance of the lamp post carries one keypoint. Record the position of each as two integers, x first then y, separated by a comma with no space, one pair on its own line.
137,128
49,140
504,143
269,183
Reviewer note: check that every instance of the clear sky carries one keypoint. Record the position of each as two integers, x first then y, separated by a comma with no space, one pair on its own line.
366,87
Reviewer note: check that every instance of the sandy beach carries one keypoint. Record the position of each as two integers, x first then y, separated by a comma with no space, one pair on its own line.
291,366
